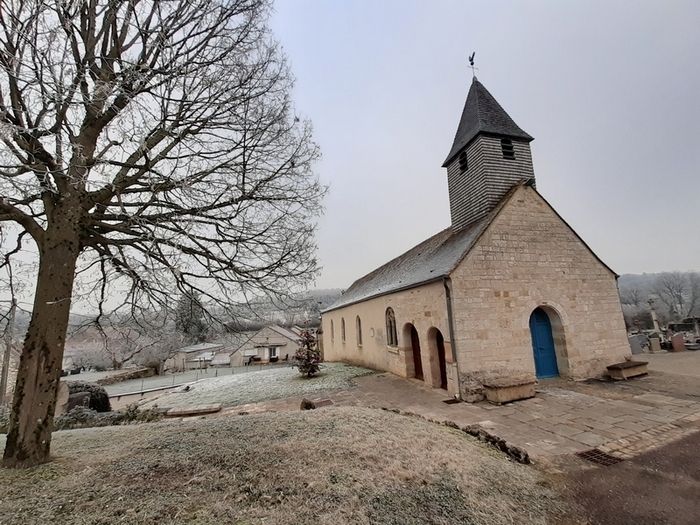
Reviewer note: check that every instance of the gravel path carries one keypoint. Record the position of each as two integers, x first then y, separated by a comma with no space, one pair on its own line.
260,386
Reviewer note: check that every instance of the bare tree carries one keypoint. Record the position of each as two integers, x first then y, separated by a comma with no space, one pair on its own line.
632,297
680,292
150,150
142,344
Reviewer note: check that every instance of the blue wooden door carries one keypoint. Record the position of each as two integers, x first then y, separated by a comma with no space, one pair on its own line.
543,344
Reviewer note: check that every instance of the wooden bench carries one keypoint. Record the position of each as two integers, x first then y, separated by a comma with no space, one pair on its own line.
506,389
628,369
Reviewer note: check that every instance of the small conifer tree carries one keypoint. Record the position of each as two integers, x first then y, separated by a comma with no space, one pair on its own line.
307,358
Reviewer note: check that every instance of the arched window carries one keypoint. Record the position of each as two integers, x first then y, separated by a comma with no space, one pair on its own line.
332,332
391,338
342,329
358,328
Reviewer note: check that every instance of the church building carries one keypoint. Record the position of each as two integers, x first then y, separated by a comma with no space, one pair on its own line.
508,290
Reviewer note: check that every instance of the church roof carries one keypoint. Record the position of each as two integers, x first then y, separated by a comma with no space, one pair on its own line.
429,261
435,258
482,114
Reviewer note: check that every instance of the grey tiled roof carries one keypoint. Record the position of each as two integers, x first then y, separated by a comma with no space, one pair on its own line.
482,114
432,259
200,347
284,332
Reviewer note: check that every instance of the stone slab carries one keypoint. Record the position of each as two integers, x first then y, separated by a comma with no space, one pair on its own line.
628,369
193,410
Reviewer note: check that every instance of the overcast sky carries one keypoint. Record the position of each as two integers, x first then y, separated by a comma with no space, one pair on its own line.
610,91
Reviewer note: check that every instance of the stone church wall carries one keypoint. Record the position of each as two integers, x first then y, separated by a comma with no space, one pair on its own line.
529,258
423,306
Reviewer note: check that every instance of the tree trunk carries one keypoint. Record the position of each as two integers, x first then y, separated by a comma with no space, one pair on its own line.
31,421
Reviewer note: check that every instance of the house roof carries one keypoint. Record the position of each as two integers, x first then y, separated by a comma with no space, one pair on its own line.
431,260
203,356
221,357
482,114
284,332
200,347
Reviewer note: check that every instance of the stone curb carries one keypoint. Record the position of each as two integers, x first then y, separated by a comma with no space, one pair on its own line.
513,452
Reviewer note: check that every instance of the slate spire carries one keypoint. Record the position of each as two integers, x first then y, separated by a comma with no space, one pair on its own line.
483,114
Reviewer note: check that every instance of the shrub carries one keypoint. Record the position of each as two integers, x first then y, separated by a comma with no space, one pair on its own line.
99,400
308,358
133,414
84,417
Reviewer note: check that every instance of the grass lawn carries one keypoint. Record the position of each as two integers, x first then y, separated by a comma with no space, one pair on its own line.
337,465
273,383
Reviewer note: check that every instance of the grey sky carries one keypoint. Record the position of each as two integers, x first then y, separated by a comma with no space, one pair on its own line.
609,90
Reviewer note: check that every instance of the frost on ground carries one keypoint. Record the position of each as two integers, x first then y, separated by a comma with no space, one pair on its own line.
253,387
337,465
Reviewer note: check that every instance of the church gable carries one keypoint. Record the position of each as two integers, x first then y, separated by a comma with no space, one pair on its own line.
529,258
526,228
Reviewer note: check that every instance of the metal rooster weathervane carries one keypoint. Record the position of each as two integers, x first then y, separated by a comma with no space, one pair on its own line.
471,64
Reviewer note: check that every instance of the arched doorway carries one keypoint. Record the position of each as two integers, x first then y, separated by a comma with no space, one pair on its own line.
440,341
415,350
543,344
438,364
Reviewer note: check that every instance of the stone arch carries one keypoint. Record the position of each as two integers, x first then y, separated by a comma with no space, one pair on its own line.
558,333
438,363
414,360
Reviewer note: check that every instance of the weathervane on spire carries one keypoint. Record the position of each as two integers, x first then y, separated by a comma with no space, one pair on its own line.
471,64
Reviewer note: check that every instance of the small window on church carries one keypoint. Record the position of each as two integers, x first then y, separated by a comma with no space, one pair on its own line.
507,149
391,336
332,332
342,329
463,163
358,328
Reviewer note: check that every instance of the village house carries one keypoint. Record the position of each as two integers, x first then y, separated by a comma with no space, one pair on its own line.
193,357
270,344
508,290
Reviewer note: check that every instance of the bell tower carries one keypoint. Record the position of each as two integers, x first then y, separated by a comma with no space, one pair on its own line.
490,154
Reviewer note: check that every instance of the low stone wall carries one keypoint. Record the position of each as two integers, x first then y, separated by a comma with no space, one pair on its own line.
515,453
136,373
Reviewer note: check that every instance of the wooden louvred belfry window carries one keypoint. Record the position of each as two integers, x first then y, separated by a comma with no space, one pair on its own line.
463,162
507,149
